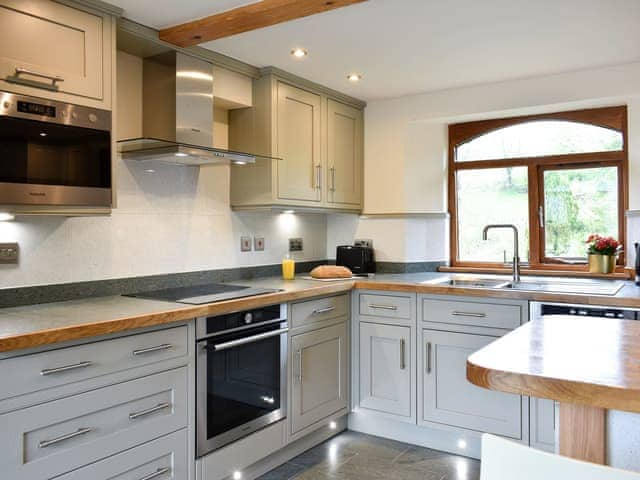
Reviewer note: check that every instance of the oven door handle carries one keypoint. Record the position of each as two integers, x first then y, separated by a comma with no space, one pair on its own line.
244,341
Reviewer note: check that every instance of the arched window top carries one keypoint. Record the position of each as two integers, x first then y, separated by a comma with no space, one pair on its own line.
540,138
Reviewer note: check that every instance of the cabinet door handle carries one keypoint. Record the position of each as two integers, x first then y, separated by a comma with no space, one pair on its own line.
17,79
333,179
383,307
323,310
157,348
66,368
402,354
62,438
469,314
319,177
149,411
156,474
299,354
428,353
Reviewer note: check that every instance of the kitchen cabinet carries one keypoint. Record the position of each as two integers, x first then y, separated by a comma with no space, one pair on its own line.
298,144
449,398
316,138
344,153
386,365
58,52
543,424
319,365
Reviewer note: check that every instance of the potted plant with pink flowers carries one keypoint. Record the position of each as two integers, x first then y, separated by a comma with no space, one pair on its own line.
603,252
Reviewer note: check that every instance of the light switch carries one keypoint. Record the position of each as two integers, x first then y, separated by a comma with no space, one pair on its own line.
9,253
245,244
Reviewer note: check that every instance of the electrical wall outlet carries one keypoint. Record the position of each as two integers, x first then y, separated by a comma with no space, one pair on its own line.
363,243
258,244
245,244
295,244
9,253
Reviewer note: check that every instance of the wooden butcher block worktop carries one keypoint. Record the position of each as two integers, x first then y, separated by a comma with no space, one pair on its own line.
44,324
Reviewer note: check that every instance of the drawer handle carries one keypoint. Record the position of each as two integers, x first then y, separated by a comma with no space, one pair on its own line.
149,411
323,310
469,314
384,307
66,368
156,474
402,354
16,78
62,438
157,348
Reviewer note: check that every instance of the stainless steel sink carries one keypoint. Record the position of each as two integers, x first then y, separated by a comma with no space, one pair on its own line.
551,285
468,282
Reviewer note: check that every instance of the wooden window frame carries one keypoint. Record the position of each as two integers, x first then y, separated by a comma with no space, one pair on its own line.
609,117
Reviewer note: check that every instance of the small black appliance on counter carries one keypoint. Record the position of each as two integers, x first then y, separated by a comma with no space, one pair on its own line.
359,259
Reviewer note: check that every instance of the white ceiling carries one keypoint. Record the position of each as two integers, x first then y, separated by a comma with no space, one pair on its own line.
404,47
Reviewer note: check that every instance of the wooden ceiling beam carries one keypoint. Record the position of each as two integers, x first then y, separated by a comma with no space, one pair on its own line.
244,19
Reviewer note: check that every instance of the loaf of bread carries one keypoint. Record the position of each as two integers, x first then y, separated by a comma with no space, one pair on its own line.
331,271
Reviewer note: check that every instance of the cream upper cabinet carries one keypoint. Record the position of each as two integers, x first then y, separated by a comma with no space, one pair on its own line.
316,138
344,154
51,50
298,138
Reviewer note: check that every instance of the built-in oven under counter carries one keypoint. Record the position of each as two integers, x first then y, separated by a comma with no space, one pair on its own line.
241,374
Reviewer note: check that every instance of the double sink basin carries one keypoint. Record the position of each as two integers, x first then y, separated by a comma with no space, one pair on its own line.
560,285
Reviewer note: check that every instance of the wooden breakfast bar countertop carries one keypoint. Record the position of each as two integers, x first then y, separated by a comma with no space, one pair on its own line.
587,364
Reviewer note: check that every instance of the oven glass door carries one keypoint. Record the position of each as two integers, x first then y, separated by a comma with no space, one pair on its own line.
241,384
45,153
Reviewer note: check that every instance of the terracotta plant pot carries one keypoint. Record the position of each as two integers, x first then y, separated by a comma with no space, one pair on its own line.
601,263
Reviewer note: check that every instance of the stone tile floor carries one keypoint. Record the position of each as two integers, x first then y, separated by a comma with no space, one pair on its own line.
355,456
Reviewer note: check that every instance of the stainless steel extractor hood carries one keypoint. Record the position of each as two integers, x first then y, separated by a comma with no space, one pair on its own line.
177,114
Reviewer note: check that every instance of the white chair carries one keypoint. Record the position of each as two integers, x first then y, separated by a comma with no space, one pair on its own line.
506,460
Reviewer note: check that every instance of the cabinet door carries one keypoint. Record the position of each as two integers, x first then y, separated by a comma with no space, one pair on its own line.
344,154
319,369
543,424
385,368
52,40
298,144
449,398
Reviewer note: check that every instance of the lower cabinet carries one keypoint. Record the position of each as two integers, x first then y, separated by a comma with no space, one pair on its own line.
161,459
543,424
386,367
449,398
319,365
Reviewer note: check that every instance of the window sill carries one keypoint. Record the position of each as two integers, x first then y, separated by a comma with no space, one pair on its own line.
621,273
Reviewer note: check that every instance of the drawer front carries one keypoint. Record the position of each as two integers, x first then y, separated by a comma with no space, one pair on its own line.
59,436
385,306
73,364
318,310
162,459
471,313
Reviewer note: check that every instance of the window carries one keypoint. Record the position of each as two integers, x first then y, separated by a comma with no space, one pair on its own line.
558,177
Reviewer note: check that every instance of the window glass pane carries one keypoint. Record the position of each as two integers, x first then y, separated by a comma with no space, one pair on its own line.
534,139
493,195
577,203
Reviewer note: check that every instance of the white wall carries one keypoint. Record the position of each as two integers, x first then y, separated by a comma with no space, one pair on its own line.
406,144
175,219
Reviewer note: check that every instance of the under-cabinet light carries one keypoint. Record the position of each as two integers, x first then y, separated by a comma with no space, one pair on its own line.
6,217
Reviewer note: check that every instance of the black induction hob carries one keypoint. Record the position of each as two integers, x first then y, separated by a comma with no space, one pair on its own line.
201,294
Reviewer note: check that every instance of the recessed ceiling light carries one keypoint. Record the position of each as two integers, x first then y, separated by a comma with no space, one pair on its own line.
299,52
354,77
43,134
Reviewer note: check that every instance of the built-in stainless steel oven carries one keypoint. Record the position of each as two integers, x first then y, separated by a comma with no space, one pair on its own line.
53,153
241,374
